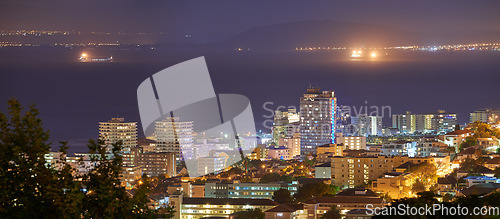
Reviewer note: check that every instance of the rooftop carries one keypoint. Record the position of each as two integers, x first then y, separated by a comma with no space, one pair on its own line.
229,201
324,165
447,180
286,208
481,189
459,132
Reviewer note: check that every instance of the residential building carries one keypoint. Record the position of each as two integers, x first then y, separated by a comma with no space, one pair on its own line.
331,149
480,189
396,184
354,171
367,125
447,184
285,124
171,133
260,152
130,175
323,171
352,142
399,148
287,211
54,160
455,138
116,130
488,115
156,163
492,163
346,200
187,207
293,143
280,152
247,190
211,164
317,119
431,147
490,144
439,122
474,180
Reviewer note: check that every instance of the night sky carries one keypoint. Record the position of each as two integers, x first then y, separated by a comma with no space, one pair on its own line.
210,21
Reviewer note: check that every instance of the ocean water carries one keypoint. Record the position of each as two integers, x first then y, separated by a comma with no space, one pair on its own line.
73,97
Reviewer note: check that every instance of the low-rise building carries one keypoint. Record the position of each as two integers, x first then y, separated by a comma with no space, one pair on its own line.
346,200
186,207
447,184
352,142
474,180
455,138
211,164
287,211
396,184
156,163
480,189
492,163
247,190
333,149
354,171
281,152
431,147
293,143
400,148
323,171
490,144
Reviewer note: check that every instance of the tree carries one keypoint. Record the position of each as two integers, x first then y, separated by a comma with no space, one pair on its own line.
24,177
105,198
447,197
469,141
479,156
270,177
286,178
251,214
418,186
386,197
32,188
333,213
457,127
497,172
282,196
311,190
139,201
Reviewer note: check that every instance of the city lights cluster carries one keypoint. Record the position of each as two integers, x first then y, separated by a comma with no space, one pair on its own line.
93,44
453,47
65,32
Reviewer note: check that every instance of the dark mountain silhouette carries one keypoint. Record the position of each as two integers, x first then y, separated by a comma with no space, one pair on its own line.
332,33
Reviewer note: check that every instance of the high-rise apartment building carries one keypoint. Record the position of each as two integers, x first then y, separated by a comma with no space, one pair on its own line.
439,122
317,119
485,115
116,130
284,124
367,125
171,133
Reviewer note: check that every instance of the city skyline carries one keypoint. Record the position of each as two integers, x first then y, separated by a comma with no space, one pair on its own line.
283,109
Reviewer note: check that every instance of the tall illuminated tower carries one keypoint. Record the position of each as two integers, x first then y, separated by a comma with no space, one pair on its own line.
317,119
